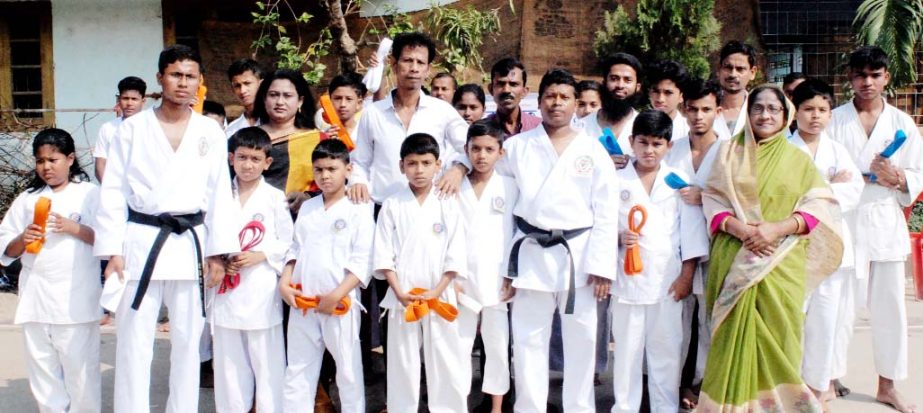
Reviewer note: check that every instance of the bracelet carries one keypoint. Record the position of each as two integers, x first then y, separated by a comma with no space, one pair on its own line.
724,224
800,224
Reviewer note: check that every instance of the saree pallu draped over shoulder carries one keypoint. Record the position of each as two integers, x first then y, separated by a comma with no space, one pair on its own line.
755,303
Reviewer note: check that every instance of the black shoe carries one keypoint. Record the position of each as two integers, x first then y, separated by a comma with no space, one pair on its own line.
206,375
6,285
840,389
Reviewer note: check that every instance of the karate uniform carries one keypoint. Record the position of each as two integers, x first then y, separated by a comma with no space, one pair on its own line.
248,342
489,230
328,244
824,304
680,157
680,126
577,189
645,316
723,126
420,243
238,124
882,250
104,138
146,174
58,305
594,130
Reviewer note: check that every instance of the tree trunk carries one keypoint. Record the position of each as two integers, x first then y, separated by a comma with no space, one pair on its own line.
344,45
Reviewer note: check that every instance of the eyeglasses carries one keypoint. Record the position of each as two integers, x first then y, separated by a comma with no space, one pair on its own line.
760,109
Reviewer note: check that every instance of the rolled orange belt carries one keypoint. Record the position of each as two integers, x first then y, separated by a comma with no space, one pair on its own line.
40,218
330,115
633,263
306,303
200,96
420,308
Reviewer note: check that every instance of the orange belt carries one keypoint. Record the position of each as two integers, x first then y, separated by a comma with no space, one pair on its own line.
419,308
306,303
40,218
633,263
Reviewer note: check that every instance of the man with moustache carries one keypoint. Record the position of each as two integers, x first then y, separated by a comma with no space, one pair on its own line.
737,68
620,73
508,87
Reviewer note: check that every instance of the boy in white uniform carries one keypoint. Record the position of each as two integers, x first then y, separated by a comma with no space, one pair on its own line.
420,250
486,201
129,101
567,231
866,126
245,76
165,205
647,308
814,100
665,93
249,347
329,260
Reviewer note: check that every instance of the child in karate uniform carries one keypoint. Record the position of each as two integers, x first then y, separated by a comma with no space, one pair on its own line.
420,250
59,284
249,347
329,259
647,306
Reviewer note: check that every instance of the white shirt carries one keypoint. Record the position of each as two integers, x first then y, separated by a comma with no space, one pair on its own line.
329,243
593,129
380,134
255,303
674,232
724,128
680,126
420,243
144,173
576,189
489,228
238,124
60,284
104,139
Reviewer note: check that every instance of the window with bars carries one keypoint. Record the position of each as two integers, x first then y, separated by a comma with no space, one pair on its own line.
26,70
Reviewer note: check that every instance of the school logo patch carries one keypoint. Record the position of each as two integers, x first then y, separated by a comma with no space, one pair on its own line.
203,147
438,228
831,172
258,217
499,204
625,195
75,217
583,165
339,225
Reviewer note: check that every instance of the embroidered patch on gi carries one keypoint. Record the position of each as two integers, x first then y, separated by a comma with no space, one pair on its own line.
203,147
75,217
831,172
258,217
499,204
438,228
339,225
625,195
583,165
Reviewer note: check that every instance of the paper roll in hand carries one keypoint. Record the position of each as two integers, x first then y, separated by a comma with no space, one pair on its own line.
674,181
40,218
899,138
610,142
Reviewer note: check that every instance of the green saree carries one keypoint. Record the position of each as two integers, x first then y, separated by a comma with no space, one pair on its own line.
755,304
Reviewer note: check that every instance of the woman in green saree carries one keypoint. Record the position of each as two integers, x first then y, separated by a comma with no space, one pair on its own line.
769,210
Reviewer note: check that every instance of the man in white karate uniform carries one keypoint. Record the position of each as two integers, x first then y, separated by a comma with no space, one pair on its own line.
566,219
165,205
617,113
736,69
666,95
866,126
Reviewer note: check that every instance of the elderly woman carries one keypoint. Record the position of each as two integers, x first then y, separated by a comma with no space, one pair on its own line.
769,210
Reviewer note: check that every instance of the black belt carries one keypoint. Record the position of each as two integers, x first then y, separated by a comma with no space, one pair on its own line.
546,239
167,223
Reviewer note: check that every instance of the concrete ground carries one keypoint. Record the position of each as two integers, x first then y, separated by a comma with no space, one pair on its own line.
15,395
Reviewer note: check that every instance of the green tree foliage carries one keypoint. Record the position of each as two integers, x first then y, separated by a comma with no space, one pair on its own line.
680,30
896,26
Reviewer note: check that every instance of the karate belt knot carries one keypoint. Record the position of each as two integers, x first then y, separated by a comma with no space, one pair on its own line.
249,237
307,303
176,224
547,239
420,308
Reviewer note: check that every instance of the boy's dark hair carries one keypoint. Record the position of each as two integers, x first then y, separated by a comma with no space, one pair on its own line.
696,89
811,88
585,85
419,144
472,88
485,127
241,66
132,83
653,122
252,137
304,119
331,149
348,79
441,75
63,143
792,77
871,57
734,47
210,107
177,53
412,39
506,65
556,77
667,70
620,59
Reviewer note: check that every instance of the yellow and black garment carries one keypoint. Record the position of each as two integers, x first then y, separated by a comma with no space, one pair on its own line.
291,169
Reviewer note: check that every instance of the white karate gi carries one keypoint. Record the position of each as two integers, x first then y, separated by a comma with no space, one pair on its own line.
420,243
882,250
680,126
823,303
58,302
723,126
593,129
144,173
249,346
489,229
645,316
104,138
238,124
380,134
328,243
577,189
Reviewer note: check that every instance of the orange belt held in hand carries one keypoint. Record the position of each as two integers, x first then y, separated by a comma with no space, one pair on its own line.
420,308
633,263
42,210
306,303
330,115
